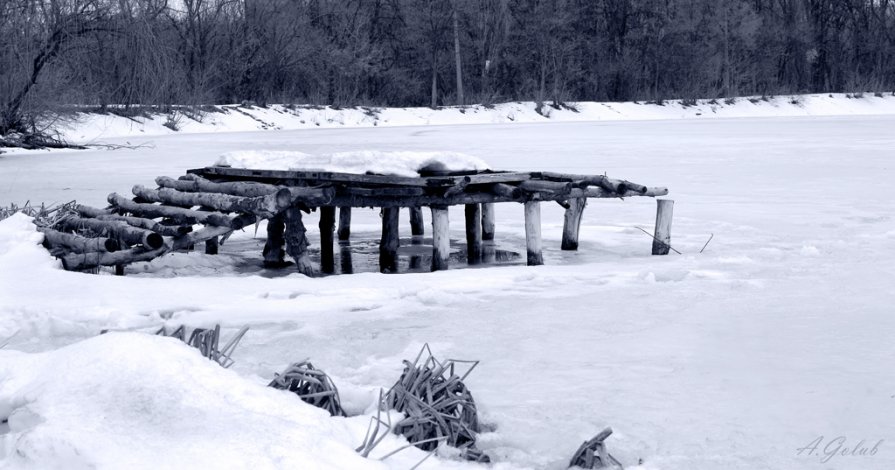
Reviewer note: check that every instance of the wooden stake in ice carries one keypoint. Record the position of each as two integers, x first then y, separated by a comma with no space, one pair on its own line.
327,226
416,221
474,233
441,238
533,233
388,244
662,238
572,223
344,223
488,221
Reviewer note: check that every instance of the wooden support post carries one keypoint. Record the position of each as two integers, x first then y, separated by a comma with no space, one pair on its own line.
572,223
533,233
416,221
345,258
327,226
344,223
119,270
274,255
212,245
474,233
488,221
297,242
441,238
662,241
388,244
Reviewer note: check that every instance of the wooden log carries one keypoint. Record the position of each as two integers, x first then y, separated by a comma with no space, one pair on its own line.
533,244
441,238
474,233
274,255
572,223
187,241
662,237
416,222
212,245
297,241
139,222
506,191
312,197
610,184
82,261
55,240
388,244
554,187
176,214
488,221
344,223
119,230
263,206
458,188
327,227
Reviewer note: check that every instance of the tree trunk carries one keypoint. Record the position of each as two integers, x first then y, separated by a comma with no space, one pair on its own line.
458,65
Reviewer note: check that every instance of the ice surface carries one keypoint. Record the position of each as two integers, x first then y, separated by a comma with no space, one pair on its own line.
778,333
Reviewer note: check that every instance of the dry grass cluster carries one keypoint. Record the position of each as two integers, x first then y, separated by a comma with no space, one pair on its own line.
437,405
593,453
312,385
207,341
44,216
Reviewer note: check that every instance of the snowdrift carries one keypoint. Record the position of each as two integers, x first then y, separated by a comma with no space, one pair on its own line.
130,400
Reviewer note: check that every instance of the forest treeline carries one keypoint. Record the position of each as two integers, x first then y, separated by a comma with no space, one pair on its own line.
432,52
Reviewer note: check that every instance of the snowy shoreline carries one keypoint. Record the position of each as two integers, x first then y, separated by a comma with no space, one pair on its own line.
94,127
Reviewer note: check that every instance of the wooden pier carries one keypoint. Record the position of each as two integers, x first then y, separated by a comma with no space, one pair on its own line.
208,204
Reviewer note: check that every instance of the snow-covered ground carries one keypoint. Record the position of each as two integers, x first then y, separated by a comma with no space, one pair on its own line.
93,128
778,333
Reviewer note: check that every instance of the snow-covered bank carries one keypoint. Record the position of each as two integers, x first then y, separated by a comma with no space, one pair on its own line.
90,128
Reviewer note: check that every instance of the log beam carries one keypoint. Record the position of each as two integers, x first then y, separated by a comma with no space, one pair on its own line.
82,261
533,245
440,238
139,222
572,223
177,214
119,230
55,240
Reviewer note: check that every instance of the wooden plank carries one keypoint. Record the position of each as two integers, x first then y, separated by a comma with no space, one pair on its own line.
533,245
662,237
572,223
388,244
441,238
473,233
